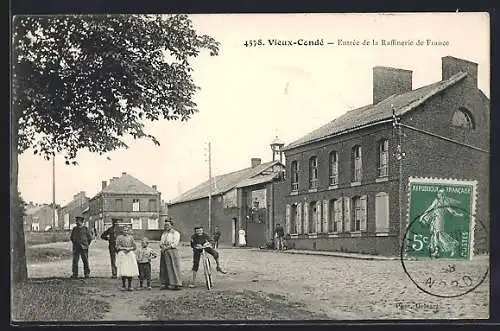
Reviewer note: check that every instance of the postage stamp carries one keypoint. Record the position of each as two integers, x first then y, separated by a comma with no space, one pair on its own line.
441,214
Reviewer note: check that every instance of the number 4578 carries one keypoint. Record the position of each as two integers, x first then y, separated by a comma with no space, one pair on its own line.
419,241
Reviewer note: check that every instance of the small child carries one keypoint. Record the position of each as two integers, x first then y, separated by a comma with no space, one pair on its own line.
126,261
144,263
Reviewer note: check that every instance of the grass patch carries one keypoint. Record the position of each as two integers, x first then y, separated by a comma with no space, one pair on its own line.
54,300
227,305
47,254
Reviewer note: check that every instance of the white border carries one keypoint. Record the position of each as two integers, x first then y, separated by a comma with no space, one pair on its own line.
449,181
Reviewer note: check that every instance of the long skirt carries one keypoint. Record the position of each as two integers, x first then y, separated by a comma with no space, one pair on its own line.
170,267
126,264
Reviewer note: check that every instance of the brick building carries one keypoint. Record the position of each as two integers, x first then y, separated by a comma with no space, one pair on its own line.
72,209
247,199
343,179
127,199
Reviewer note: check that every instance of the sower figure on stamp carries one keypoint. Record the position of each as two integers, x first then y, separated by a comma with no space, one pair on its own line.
81,239
170,261
110,235
434,215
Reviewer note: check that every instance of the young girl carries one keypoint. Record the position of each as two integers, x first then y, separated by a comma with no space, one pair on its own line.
126,262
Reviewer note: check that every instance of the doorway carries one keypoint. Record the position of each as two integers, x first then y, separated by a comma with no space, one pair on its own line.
234,223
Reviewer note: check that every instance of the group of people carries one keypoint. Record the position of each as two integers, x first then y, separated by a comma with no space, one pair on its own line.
129,261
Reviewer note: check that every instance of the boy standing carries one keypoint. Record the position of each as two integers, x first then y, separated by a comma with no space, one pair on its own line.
81,239
144,257
200,241
216,237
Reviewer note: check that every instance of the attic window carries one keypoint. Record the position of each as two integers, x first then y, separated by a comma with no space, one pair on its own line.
462,118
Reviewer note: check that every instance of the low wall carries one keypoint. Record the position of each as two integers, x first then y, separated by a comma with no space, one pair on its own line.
37,238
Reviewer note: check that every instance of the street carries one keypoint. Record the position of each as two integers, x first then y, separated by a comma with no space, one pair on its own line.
293,286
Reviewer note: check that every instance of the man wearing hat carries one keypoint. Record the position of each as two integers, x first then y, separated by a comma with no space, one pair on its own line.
81,239
110,235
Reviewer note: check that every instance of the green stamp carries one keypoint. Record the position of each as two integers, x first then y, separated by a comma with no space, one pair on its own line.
441,218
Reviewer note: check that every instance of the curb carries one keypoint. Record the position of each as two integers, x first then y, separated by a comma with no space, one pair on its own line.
333,254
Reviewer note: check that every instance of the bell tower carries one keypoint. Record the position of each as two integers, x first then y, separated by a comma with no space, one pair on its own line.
277,149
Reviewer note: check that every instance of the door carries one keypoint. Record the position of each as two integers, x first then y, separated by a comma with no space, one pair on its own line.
234,223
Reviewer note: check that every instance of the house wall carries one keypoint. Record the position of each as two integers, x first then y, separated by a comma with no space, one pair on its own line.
426,156
43,217
73,209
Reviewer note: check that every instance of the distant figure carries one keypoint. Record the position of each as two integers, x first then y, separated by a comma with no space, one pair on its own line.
126,261
216,237
144,257
279,234
170,260
110,235
242,242
81,239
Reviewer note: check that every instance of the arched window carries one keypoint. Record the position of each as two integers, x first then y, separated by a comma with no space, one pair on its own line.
462,118
357,164
295,176
383,158
333,168
313,172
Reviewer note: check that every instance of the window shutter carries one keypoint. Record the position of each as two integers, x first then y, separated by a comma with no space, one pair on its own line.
319,215
364,213
326,208
306,218
347,214
382,212
338,214
299,217
287,218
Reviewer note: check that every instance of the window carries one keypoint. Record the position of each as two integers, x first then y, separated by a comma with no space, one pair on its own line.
119,204
383,158
357,165
313,173
333,169
136,224
359,223
293,218
153,224
462,118
152,205
382,212
295,176
135,205
312,217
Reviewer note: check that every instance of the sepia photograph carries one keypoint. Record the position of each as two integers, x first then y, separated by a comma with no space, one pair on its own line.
250,167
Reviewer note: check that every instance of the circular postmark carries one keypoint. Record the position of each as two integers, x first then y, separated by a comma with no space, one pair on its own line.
444,259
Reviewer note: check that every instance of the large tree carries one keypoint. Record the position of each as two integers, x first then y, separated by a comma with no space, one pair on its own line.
87,82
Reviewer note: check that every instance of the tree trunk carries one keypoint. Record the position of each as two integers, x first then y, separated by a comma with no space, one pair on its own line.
19,270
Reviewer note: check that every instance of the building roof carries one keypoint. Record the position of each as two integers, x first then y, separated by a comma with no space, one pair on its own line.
260,179
223,183
127,184
32,210
373,114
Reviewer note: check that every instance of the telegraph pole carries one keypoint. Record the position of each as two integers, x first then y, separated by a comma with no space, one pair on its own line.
399,155
209,188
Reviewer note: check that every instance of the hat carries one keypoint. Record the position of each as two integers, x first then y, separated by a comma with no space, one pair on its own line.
79,218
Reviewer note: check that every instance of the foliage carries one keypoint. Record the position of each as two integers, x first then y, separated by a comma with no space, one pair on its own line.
86,82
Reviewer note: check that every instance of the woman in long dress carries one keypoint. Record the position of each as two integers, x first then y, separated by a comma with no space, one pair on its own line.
126,262
242,242
170,261
434,215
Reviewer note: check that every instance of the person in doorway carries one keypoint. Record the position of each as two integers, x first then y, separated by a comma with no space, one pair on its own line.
110,235
216,237
242,241
144,257
81,239
126,262
199,241
170,261
279,235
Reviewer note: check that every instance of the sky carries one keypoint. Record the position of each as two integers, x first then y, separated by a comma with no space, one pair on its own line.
249,95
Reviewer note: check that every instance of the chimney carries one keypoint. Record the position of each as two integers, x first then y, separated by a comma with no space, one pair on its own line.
124,173
154,188
388,81
104,184
255,161
451,65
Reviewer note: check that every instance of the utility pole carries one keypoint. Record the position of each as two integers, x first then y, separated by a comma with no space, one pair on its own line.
209,188
399,155
54,210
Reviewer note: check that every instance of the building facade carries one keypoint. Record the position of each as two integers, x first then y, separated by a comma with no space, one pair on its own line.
347,181
39,217
243,199
74,208
128,200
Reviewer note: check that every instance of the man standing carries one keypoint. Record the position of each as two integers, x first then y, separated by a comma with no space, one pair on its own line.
81,239
216,237
279,234
170,261
110,235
